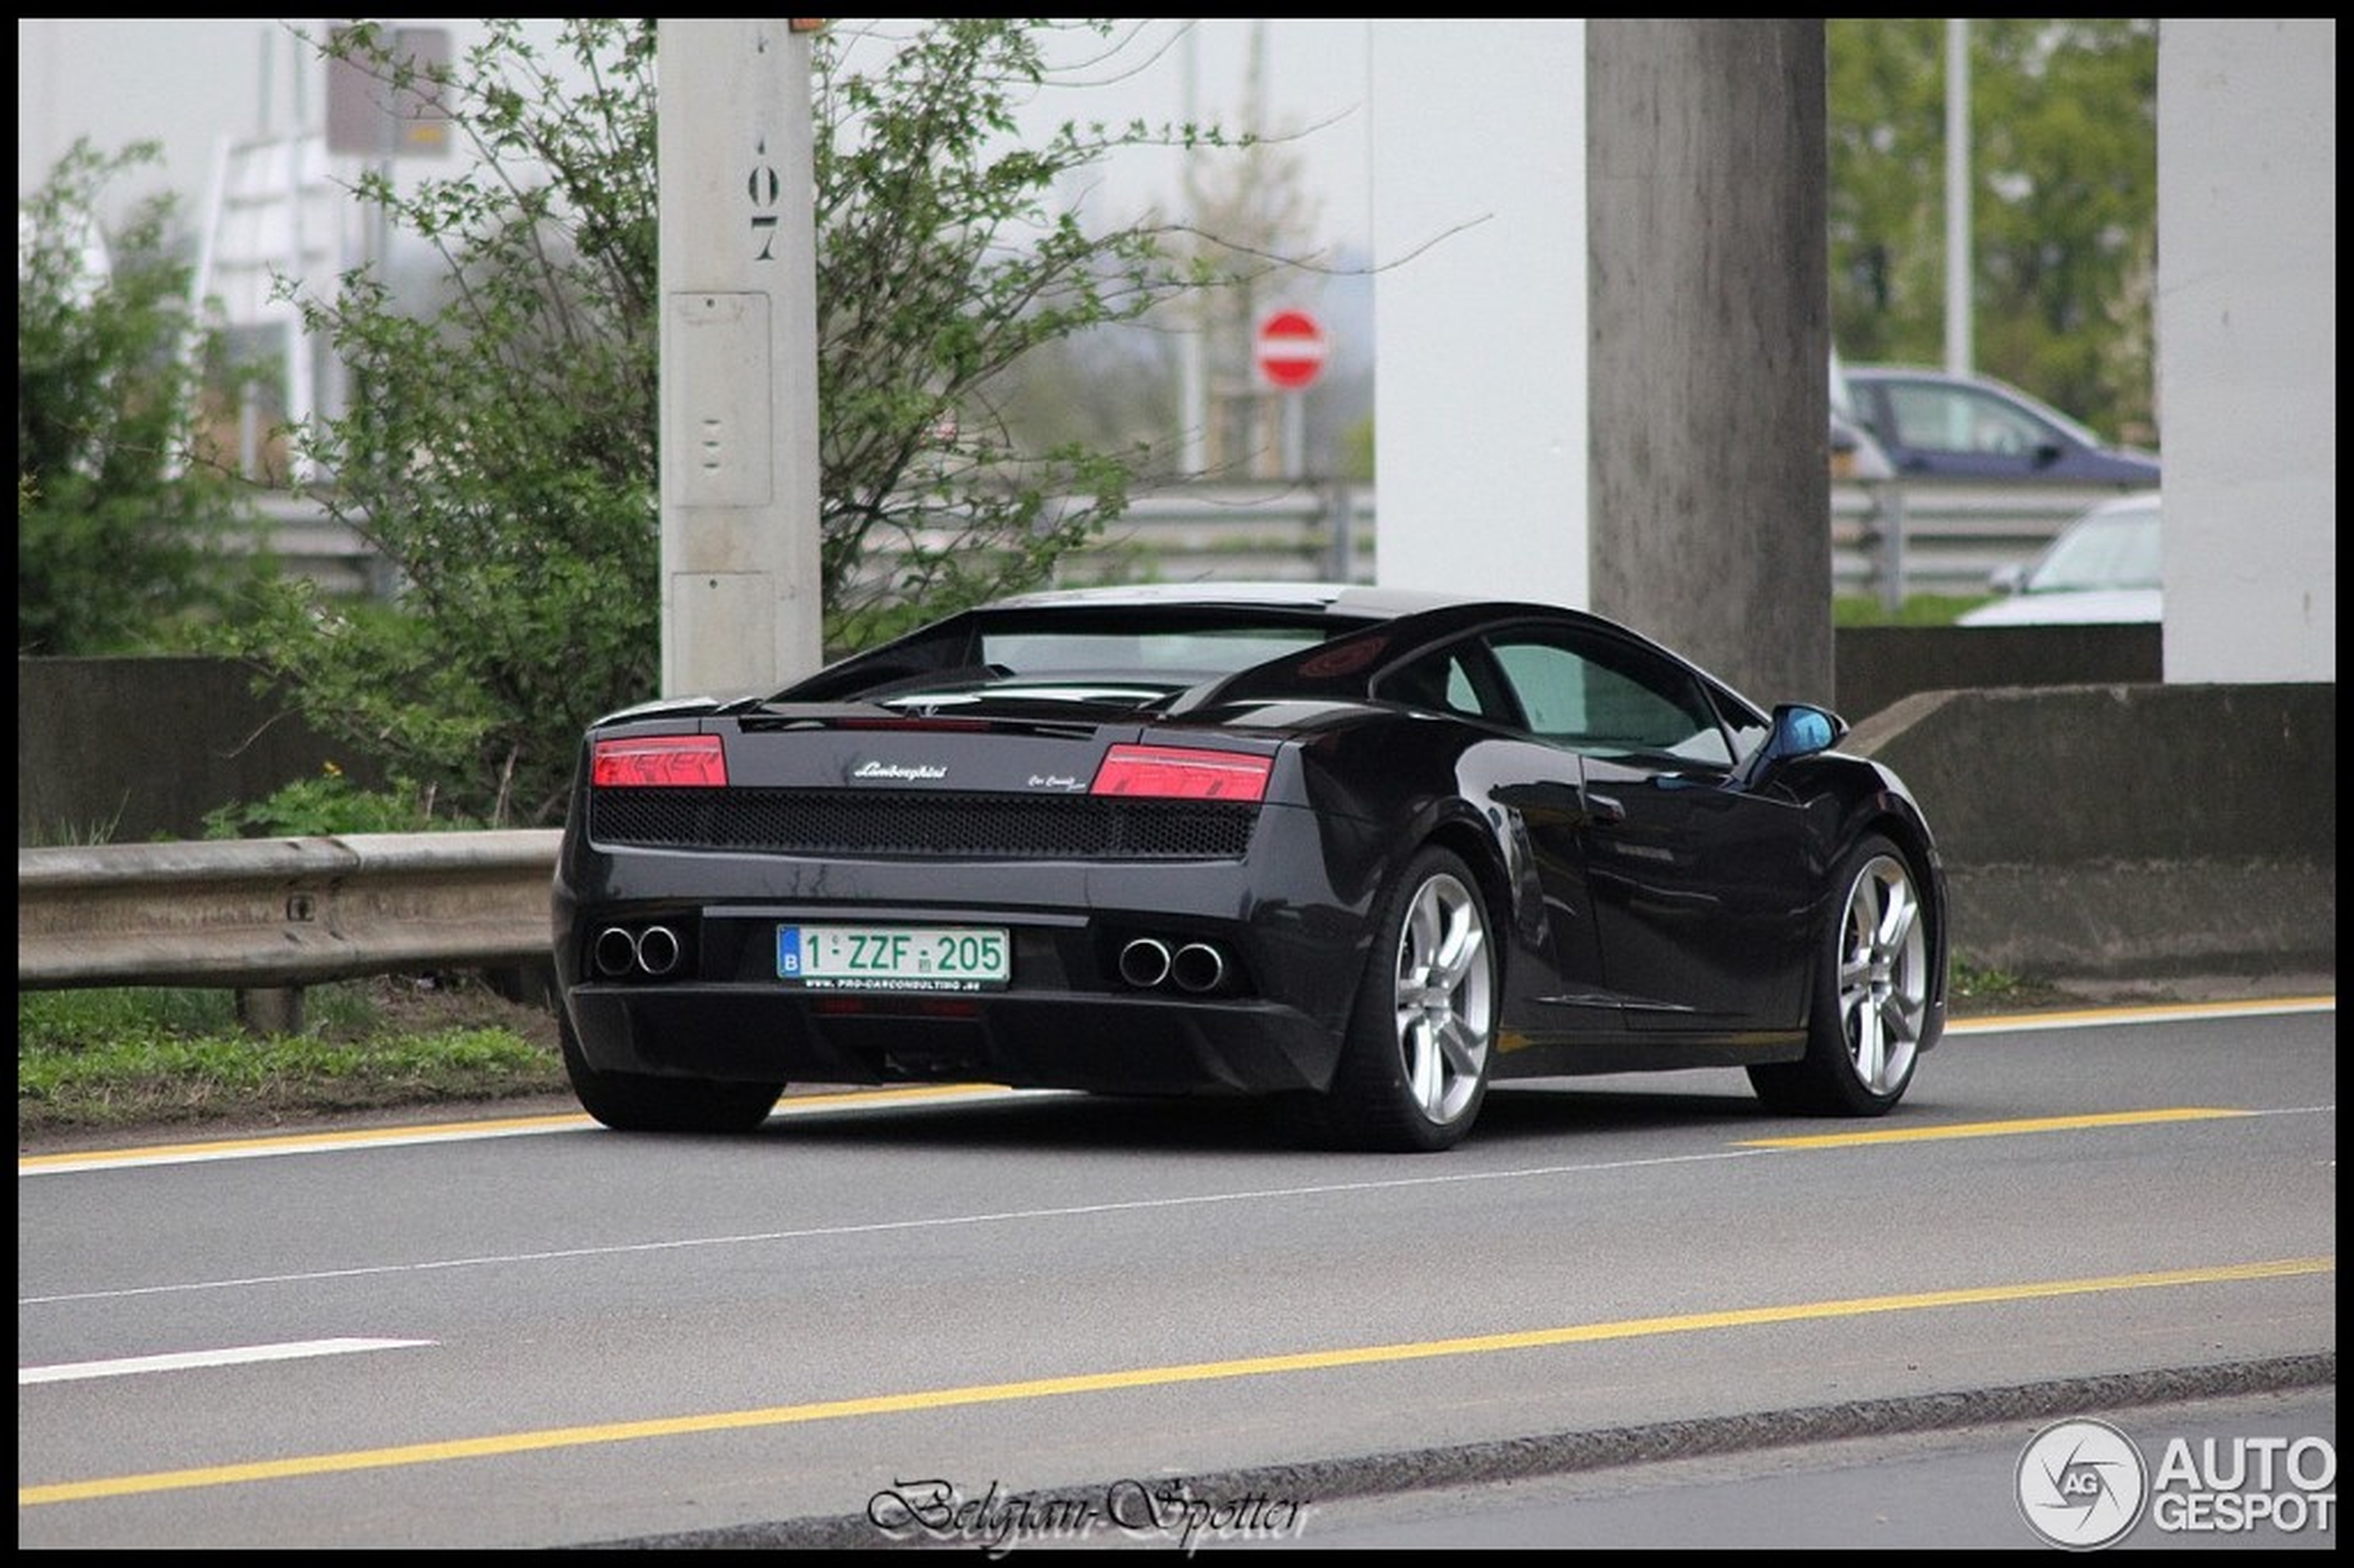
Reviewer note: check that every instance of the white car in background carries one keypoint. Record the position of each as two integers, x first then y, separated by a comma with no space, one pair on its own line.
2103,566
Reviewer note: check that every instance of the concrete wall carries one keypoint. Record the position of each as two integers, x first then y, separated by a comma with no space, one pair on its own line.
2128,831
2247,340
1879,666
119,751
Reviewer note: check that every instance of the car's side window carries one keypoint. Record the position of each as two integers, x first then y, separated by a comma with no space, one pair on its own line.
1601,695
1950,419
1437,681
1749,730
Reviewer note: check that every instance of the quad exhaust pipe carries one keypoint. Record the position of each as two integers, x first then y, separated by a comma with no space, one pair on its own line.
650,954
1198,968
1147,963
1144,963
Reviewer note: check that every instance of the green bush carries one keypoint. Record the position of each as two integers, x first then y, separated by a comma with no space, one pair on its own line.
121,515
328,806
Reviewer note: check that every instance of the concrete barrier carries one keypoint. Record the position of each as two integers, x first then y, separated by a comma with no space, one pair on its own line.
2128,831
1876,667
2119,830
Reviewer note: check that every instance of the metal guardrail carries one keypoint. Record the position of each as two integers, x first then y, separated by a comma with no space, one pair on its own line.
1887,539
1897,537
282,912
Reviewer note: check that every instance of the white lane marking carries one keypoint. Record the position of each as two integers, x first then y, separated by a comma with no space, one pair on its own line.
882,1227
951,1221
293,1351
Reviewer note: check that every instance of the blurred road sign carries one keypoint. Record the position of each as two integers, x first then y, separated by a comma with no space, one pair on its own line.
1290,349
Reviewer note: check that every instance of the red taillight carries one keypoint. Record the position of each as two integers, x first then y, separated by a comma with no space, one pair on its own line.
1181,774
678,762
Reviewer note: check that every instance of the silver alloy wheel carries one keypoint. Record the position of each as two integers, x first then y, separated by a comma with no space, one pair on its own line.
1883,974
1445,1009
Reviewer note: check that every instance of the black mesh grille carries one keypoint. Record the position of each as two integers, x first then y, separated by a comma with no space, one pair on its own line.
879,825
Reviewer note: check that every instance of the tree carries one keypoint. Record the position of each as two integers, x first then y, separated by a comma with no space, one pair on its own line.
500,449
123,523
2064,204
1243,208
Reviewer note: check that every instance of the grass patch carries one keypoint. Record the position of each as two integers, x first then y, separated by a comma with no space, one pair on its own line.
1973,989
130,1057
1919,609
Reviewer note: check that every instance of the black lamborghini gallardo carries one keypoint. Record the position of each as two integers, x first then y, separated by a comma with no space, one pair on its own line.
1367,849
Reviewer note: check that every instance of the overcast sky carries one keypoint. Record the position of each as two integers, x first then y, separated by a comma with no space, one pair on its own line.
188,85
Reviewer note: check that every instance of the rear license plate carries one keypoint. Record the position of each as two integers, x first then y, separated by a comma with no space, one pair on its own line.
893,958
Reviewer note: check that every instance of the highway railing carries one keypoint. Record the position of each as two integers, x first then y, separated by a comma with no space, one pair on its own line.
275,914
1888,539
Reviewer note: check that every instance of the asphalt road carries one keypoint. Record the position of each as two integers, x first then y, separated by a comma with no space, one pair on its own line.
543,1333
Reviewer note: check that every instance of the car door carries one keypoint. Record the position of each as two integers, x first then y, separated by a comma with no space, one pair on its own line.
1534,792
1699,887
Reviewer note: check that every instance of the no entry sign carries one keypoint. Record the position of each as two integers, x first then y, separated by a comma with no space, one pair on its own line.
1290,349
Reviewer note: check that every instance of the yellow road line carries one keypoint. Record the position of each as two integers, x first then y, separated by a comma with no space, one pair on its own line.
1992,1128
222,1147
1140,1377
408,1133
1993,1023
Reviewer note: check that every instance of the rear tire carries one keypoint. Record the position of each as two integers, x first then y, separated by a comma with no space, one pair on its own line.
629,1102
1871,995
1414,1066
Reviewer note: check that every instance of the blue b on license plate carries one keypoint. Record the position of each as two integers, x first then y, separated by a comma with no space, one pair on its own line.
893,958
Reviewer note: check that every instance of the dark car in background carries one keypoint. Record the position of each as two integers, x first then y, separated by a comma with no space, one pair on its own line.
1358,850
1938,424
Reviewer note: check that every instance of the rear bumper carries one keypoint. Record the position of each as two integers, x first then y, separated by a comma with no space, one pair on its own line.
1291,949
1137,1044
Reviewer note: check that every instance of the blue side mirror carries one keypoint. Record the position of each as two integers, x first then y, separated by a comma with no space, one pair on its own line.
1802,731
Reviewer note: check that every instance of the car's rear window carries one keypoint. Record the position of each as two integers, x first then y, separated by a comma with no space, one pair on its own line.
1197,649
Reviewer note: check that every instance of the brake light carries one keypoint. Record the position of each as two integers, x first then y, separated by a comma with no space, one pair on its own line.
1183,773
671,760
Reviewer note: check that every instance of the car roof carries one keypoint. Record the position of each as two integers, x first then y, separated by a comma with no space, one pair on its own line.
1895,372
1343,597
1334,607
